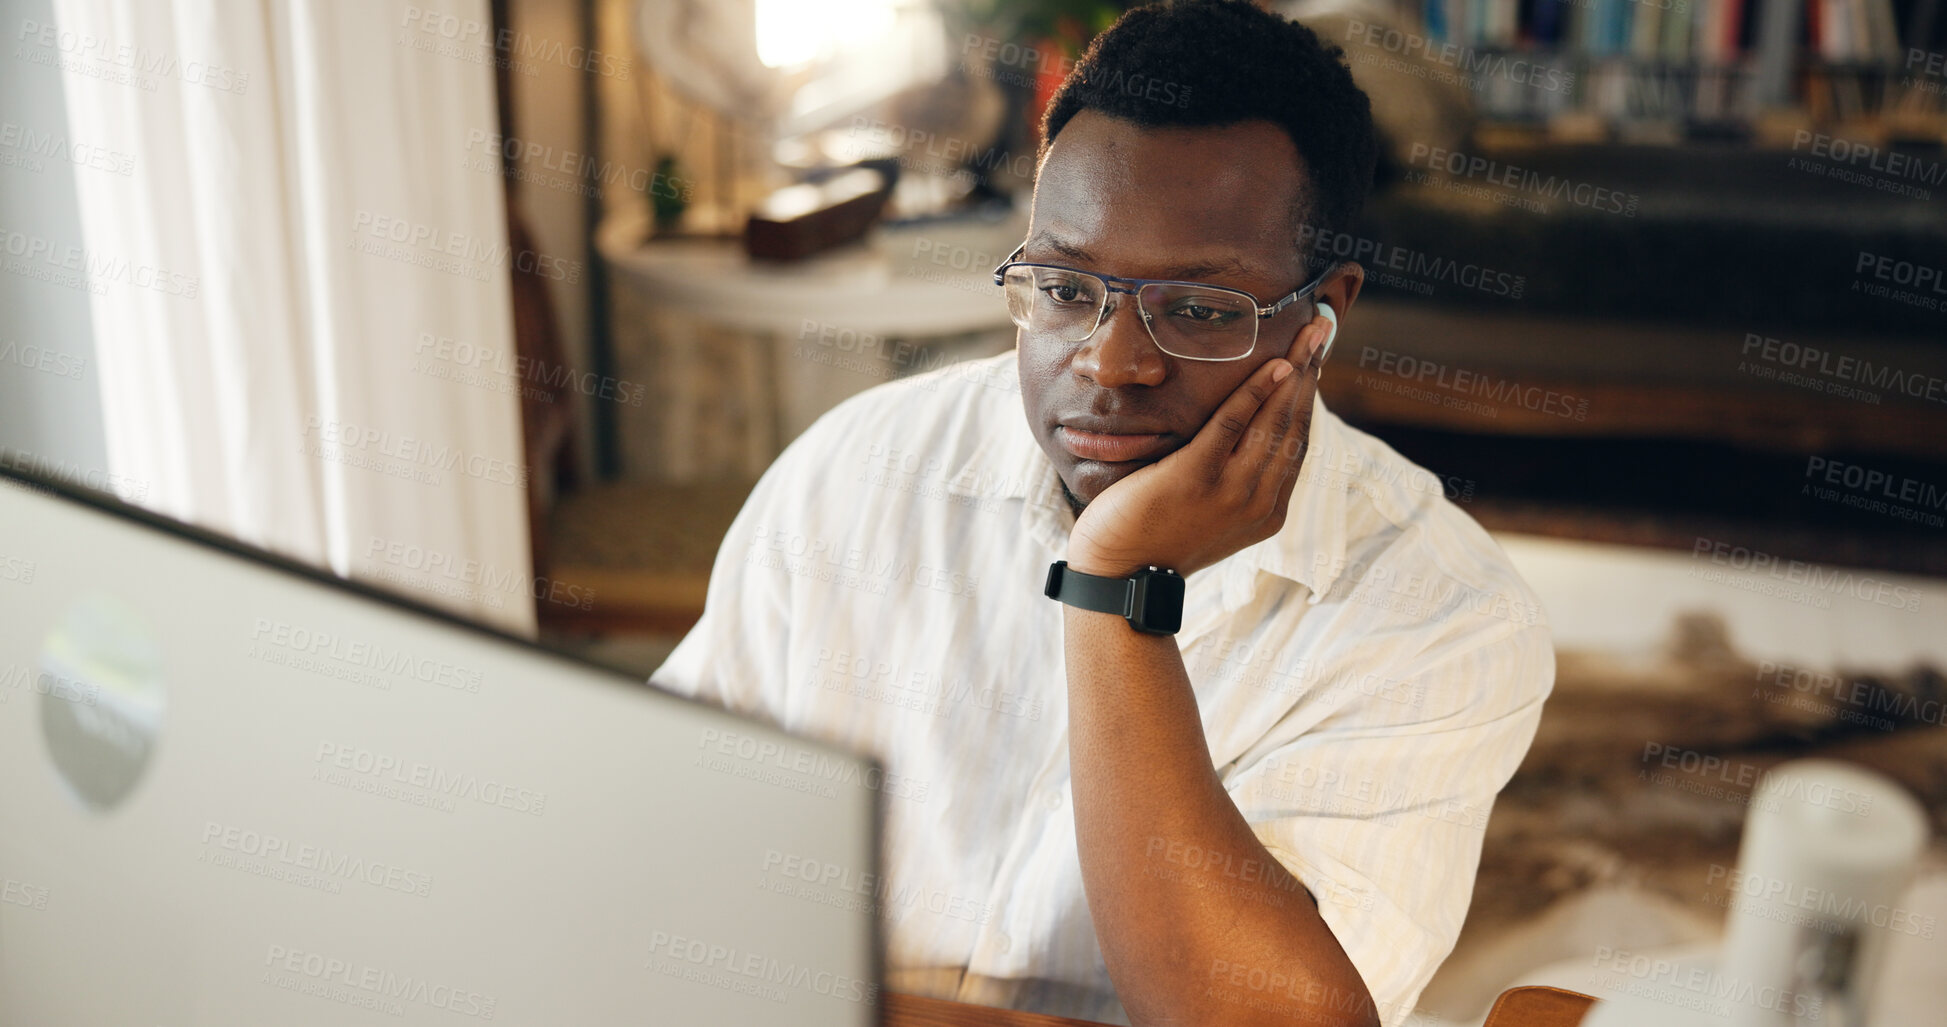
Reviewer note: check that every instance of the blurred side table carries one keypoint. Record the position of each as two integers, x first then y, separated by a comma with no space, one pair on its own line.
740,357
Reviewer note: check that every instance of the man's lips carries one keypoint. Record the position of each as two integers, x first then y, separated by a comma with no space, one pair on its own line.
1109,448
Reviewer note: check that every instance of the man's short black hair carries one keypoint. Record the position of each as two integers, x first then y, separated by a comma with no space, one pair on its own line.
1219,62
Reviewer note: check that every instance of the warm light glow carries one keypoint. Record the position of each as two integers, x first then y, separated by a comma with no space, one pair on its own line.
794,32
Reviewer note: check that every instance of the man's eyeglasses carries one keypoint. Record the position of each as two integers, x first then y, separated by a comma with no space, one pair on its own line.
1189,320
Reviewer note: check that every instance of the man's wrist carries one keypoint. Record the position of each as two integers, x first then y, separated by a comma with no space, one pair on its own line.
1084,562
1087,560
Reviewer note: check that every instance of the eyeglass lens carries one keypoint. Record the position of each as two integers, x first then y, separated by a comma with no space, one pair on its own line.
1185,320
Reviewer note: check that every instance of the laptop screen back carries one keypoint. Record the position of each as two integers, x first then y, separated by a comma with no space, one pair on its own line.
233,791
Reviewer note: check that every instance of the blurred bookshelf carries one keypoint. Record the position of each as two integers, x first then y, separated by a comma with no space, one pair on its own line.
1759,161
1675,70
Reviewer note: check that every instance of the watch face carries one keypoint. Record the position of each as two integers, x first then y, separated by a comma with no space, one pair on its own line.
1159,601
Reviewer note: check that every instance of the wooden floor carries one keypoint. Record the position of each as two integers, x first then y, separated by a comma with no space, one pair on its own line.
644,553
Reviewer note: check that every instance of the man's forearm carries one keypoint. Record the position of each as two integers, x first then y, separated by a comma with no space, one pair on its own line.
1185,899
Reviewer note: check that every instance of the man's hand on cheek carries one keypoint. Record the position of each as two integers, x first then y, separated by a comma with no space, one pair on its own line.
1228,488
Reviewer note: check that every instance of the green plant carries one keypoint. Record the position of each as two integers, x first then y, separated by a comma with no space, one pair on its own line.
1071,23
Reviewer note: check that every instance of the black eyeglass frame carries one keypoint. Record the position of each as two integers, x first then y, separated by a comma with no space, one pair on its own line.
1108,286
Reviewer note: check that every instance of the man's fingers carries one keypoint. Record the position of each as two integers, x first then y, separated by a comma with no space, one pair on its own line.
1270,436
1303,437
1234,415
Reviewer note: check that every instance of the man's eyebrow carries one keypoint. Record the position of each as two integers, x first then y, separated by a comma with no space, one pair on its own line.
1063,247
1221,266
1217,267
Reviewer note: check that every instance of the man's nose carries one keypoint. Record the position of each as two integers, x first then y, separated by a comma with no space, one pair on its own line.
1121,351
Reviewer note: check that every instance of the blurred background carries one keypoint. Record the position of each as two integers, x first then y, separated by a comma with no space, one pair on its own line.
506,306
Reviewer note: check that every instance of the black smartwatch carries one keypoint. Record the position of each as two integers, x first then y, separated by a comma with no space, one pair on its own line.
1150,599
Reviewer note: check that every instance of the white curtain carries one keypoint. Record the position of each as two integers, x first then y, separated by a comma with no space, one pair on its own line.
302,309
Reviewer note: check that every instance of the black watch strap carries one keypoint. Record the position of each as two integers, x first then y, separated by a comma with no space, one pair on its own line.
1150,599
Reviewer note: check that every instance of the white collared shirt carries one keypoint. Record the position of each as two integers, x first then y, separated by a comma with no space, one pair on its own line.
1369,678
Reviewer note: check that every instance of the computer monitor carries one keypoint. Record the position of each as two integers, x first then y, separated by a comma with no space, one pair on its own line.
236,791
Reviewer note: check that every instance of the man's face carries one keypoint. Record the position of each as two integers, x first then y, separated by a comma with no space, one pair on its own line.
1193,204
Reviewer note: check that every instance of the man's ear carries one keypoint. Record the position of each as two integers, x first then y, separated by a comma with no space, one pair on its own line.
1343,290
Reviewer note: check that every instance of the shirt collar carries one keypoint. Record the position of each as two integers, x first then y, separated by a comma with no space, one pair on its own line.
1007,463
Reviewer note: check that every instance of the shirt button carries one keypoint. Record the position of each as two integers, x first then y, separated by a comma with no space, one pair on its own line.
1003,942
1052,800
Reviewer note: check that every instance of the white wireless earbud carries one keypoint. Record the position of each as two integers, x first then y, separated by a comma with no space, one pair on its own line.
1325,310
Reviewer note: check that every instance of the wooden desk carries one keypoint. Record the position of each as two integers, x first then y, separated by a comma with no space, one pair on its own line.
914,1011
1538,1007
1517,1007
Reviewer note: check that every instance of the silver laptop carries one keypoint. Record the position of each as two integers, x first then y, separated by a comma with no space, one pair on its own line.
236,791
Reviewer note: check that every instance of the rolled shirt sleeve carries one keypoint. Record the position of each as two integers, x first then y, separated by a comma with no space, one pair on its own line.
1382,821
